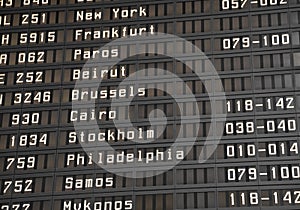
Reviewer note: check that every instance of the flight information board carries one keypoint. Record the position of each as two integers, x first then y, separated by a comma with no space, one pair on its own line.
149,105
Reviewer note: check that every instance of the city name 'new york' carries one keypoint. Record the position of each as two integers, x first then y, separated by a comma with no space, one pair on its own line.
82,15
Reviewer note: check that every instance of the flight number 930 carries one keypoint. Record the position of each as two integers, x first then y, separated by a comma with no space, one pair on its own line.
25,118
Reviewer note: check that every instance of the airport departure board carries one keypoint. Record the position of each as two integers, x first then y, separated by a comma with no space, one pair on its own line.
149,105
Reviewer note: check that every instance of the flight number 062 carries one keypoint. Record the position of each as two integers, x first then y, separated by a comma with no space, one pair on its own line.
31,57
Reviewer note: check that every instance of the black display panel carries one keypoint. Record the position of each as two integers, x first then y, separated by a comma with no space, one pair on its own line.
131,105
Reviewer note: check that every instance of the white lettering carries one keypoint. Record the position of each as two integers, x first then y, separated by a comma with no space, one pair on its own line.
88,93
87,54
6,3
5,39
110,135
4,20
84,16
88,115
129,13
94,73
3,58
2,79
112,32
106,205
77,183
